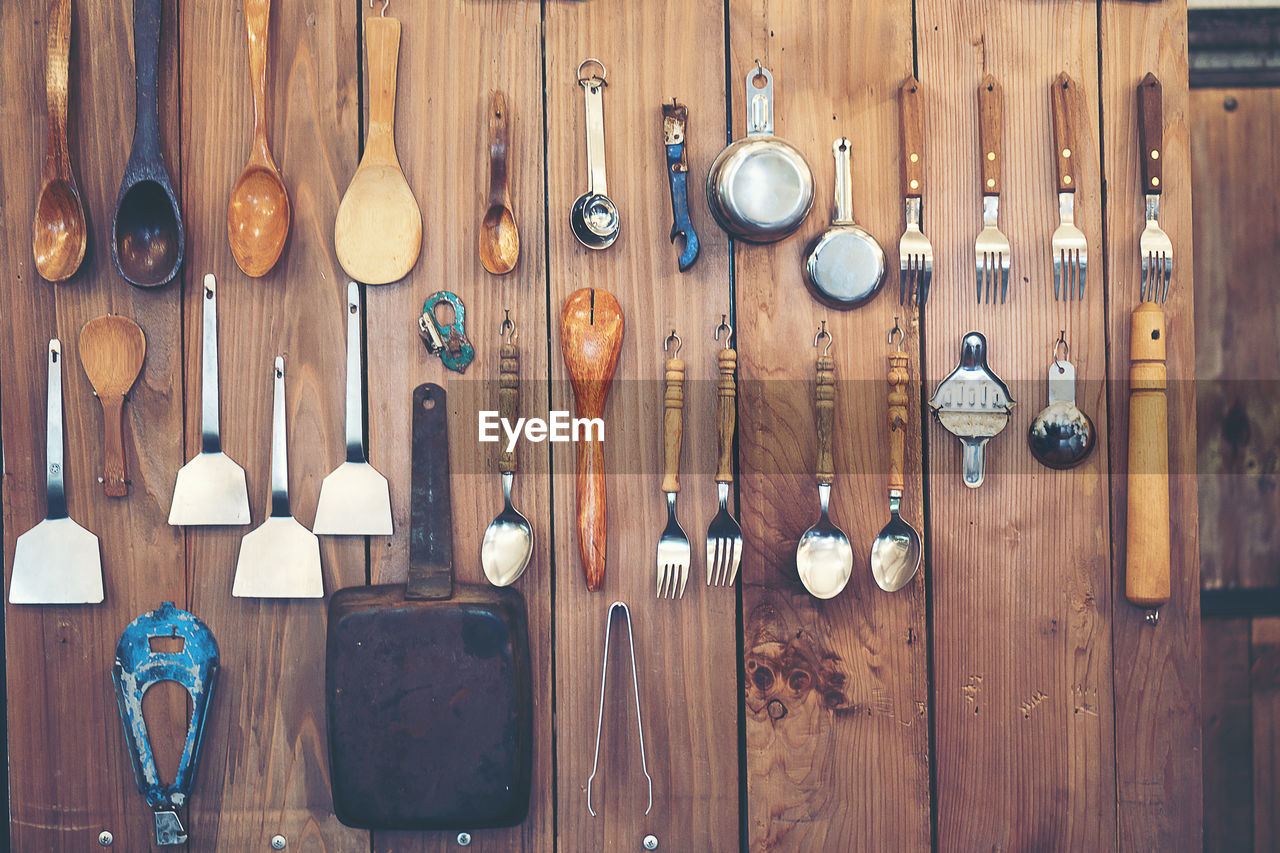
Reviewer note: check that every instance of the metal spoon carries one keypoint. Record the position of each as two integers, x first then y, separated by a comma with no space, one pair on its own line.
824,557
895,553
508,541
499,236
1062,435
594,218
258,214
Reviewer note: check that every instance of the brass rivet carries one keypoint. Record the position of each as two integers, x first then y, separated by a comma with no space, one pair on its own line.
915,185
1155,182
1155,154
991,155
915,158
1066,179
1066,152
991,182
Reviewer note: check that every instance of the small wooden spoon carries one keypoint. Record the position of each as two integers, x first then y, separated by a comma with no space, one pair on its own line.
591,327
59,234
111,349
258,215
378,233
499,236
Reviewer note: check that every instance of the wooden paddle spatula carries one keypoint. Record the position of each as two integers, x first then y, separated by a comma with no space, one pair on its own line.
112,349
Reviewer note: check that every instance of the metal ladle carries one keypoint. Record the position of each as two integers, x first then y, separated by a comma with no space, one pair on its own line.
508,540
594,218
895,553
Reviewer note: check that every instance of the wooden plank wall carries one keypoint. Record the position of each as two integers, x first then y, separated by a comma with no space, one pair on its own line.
1008,698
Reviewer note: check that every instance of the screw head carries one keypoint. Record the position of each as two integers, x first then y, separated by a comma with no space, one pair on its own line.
464,839
650,842
1230,104
279,842
105,838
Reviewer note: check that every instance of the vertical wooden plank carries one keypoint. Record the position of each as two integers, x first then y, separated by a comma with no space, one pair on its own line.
69,770
266,767
1233,170
452,54
1228,735
837,691
684,648
1157,670
1264,677
1021,603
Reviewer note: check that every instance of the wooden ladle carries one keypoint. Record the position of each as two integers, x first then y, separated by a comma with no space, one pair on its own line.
59,234
378,233
112,349
258,215
499,236
591,327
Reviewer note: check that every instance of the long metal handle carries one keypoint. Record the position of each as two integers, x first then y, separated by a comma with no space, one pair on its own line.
844,183
54,487
759,101
355,379
210,440
594,92
279,452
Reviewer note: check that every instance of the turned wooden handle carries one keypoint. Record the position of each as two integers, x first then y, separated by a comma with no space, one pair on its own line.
508,400
911,130
382,45
1151,133
1063,96
899,374
1147,522
115,477
824,406
726,413
592,513
672,425
990,118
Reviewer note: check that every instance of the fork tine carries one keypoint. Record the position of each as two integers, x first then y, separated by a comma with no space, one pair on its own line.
1168,274
903,277
683,571
1057,275
1142,285
922,296
1004,276
980,269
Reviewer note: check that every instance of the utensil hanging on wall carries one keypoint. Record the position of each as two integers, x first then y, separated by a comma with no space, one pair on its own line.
112,349
508,540
211,488
499,237
724,534
992,246
446,339
57,561
915,252
258,214
895,552
973,404
59,232
675,125
594,217
378,232
674,554
1061,435
148,239
1069,248
845,265
619,607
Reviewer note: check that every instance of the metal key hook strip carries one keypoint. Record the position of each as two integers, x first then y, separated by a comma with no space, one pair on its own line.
594,217
194,665
635,684
447,340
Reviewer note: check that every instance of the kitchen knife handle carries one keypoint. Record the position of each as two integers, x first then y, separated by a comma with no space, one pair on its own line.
508,400
1063,95
1151,133
824,404
899,373
726,413
592,514
672,425
911,130
990,118
1147,550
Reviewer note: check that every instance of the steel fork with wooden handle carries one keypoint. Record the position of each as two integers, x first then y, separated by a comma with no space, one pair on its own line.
992,246
1147,532
914,250
1070,250
724,535
673,546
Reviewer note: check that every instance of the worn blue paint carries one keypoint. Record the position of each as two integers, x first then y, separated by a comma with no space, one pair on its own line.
458,351
136,669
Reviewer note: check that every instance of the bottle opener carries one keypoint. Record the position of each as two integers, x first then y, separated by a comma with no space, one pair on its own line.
675,118
973,404
1061,436
447,340
137,668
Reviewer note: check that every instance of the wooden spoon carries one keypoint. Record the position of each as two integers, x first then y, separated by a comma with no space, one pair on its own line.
258,215
111,349
499,236
591,327
59,234
378,233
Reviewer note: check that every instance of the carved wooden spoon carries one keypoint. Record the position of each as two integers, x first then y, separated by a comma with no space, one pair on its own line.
499,236
112,349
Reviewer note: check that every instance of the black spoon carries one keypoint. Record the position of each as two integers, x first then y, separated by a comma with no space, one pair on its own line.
148,241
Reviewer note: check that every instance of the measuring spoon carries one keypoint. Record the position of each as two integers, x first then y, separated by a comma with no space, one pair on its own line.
895,553
594,218
508,541
499,236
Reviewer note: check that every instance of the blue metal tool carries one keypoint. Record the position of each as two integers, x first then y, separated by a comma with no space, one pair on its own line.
447,340
675,119
137,668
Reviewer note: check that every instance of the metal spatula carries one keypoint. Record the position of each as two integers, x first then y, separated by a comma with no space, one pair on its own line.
57,561
355,499
280,558
211,487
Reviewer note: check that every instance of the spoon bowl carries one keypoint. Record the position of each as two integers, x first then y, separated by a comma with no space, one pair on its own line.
499,240
508,542
895,553
594,220
148,234
258,218
824,557
59,232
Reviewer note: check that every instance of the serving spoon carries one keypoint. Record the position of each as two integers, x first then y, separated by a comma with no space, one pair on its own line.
499,236
59,234
258,215
508,541
895,553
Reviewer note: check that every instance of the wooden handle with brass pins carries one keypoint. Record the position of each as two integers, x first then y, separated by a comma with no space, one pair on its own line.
508,399
911,130
824,405
990,132
672,425
1063,96
1147,529
899,374
1151,133
726,413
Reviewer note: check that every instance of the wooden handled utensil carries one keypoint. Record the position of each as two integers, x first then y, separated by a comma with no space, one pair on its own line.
591,328
499,241
112,349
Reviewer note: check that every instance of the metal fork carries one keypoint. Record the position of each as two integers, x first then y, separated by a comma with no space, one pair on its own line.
1070,250
991,247
724,535
914,250
1155,245
674,554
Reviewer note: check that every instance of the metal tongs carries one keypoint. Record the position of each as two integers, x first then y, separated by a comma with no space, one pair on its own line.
635,683
973,404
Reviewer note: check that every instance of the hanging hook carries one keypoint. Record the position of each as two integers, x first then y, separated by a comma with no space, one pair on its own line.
823,333
508,328
595,79
1061,342
385,4
666,345
902,336
726,328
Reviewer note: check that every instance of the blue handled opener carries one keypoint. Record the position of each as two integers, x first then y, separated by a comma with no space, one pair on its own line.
447,340
675,119
137,668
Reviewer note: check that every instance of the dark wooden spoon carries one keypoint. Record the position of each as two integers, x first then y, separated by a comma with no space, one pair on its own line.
148,241
499,236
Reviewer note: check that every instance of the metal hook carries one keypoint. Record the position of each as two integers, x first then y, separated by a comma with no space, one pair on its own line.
823,333
594,80
902,336
508,328
1066,350
726,328
635,683
666,345
385,4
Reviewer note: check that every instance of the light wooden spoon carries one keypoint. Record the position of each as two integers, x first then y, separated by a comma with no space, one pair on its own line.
112,349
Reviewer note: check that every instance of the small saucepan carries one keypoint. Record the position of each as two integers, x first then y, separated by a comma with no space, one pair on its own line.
845,267
760,188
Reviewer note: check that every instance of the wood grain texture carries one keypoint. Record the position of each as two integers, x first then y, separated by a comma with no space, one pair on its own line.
1264,683
836,692
1022,581
1234,210
684,648
1228,735
1157,673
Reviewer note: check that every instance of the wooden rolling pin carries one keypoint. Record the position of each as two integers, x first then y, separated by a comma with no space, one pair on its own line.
1146,578
591,327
